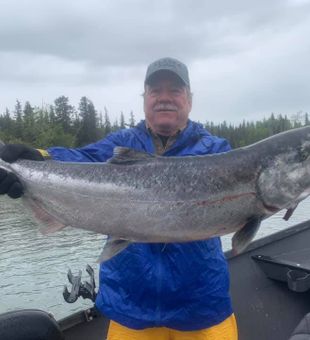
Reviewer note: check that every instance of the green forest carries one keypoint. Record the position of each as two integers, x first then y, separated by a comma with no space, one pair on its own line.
64,125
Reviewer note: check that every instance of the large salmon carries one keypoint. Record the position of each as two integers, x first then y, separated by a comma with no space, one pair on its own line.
138,197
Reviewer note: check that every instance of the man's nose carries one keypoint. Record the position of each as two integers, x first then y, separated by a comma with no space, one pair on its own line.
164,96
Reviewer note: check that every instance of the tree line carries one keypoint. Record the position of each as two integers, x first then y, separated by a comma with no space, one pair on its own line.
64,125
247,132
58,124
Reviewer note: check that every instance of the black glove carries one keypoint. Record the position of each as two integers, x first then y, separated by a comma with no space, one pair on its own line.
12,152
9,183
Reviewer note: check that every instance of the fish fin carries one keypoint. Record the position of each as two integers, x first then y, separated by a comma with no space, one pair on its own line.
50,224
289,212
245,235
123,155
112,247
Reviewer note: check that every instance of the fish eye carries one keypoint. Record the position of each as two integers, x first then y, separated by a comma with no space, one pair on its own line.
304,153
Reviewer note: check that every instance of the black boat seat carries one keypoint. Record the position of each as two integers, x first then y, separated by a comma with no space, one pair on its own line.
302,331
29,324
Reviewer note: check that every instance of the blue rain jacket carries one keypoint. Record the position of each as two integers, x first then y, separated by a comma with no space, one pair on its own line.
184,286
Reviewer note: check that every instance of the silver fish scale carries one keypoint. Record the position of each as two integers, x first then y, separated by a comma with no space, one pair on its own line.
168,199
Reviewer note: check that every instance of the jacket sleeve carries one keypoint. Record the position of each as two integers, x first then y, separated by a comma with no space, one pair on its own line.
214,144
95,152
220,145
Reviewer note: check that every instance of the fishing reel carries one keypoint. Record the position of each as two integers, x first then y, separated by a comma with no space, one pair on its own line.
86,290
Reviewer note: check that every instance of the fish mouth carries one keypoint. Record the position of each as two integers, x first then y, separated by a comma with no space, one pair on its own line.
271,208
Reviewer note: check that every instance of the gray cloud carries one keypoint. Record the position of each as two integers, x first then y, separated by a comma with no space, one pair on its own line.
125,32
247,58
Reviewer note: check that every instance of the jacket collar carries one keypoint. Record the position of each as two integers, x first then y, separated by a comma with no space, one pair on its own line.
193,131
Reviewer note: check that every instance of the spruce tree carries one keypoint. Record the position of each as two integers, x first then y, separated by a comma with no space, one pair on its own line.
87,132
18,119
63,113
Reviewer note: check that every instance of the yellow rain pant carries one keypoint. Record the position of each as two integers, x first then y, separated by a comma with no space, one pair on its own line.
226,330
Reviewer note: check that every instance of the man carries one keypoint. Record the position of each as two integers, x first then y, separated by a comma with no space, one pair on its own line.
156,291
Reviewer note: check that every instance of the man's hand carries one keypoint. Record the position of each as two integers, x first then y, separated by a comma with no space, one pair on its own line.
12,152
9,183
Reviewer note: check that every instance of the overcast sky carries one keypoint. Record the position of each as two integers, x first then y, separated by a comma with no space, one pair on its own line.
247,58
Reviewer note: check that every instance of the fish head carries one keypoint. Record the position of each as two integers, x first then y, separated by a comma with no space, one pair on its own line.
285,180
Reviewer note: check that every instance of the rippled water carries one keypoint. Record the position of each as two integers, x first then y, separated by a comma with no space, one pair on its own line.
33,266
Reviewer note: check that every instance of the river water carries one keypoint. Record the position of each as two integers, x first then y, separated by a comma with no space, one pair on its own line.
33,266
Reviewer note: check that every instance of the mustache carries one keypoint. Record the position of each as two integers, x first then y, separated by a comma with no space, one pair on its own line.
165,107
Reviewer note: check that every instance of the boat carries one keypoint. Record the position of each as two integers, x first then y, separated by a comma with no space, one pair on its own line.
270,284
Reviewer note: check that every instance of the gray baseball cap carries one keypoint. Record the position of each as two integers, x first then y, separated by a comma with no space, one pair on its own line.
168,64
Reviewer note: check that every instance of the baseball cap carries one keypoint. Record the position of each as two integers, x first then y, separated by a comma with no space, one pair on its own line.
169,64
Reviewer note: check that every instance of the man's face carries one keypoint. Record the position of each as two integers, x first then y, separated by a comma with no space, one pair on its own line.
167,104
